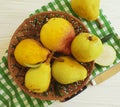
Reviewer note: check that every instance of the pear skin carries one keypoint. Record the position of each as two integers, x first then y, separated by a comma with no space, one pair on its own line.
88,9
86,47
68,71
29,51
38,79
57,35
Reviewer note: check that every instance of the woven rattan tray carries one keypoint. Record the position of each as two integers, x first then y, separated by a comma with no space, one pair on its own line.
30,28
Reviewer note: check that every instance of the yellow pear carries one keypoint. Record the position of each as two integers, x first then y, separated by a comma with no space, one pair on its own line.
57,35
86,47
68,71
30,52
88,9
38,79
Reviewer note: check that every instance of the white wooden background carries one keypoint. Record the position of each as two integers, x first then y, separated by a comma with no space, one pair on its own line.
107,94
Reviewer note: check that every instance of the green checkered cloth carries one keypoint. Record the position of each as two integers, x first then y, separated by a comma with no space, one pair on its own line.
12,96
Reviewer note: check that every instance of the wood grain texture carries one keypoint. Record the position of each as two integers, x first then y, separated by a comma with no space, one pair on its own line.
107,94
106,75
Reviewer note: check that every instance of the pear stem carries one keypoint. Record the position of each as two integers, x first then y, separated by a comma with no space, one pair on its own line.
58,59
90,38
49,58
99,23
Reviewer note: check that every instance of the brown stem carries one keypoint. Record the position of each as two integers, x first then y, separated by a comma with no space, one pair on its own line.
49,57
99,23
90,38
58,59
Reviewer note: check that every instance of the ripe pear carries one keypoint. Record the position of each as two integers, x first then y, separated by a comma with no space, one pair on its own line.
57,35
86,47
38,79
68,71
88,9
30,52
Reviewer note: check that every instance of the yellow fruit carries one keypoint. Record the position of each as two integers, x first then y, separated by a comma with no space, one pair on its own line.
38,79
86,47
68,71
88,9
29,51
57,35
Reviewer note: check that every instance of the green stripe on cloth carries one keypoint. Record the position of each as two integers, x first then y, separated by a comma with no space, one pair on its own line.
60,5
44,8
12,96
4,101
6,80
15,96
51,6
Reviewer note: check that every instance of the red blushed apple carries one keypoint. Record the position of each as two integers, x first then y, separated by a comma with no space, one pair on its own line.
57,35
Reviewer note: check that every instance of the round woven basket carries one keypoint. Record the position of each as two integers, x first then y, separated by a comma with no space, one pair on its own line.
30,28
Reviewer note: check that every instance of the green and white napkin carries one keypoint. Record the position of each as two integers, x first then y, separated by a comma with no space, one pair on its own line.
12,96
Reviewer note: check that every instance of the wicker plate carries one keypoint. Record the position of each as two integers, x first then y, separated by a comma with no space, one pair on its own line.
30,28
